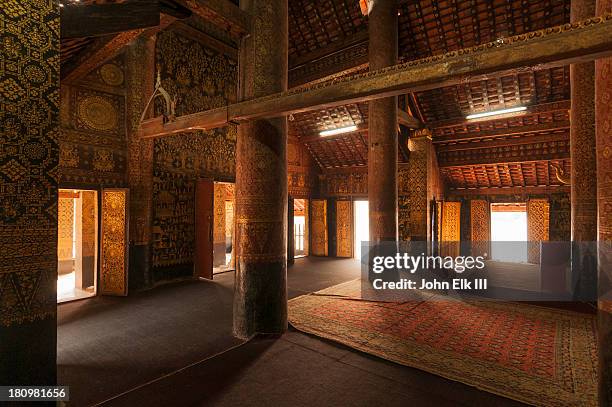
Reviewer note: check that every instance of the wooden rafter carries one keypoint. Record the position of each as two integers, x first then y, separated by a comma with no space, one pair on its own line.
552,47
105,48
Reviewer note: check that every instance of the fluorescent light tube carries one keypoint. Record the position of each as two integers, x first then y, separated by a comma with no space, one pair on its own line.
341,130
496,112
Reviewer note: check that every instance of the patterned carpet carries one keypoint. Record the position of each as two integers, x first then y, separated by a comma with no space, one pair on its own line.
532,354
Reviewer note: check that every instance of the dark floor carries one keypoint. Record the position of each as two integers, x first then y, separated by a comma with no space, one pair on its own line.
158,349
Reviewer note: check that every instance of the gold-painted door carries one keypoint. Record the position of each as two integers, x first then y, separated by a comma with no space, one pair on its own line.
538,215
318,227
451,229
480,222
114,242
344,229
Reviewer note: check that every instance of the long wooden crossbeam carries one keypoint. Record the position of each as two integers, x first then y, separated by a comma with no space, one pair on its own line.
556,46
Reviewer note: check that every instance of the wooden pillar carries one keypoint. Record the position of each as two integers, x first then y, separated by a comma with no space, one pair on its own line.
382,133
582,139
603,126
29,196
140,72
260,293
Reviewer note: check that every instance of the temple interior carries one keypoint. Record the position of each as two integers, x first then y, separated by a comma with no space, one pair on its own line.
192,190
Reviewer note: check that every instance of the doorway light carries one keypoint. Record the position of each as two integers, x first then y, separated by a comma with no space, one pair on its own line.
340,130
496,112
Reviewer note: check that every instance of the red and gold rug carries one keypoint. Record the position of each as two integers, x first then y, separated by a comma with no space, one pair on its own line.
536,355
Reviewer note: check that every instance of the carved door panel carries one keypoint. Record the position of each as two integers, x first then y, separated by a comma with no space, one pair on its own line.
344,229
538,214
318,227
480,221
114,242
451,229
290,238
203,261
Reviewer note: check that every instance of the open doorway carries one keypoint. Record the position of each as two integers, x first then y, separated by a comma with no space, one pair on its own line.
509,229
77,244
223,230
300,227
362,226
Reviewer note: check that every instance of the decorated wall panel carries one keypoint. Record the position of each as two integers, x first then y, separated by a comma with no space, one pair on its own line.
451,228
318,227
537,226
200,78
301,171
559,210
93,141
29,119
114,242
350,182
65,228
344,228
480,224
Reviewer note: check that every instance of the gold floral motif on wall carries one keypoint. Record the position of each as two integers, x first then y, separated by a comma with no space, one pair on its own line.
97,113
111,74
69,156
201,78
103,160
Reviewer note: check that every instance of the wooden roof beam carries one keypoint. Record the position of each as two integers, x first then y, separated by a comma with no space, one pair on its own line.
223,13
493,159
555,46
105,48
92,20
520,190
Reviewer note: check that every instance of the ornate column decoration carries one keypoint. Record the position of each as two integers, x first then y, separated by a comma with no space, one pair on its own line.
603,135
582,139
140,71
260,290
382,133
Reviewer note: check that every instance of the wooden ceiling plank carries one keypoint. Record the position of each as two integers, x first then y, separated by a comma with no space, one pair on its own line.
223,13
474,140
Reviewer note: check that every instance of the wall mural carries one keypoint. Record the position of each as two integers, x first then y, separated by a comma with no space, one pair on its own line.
29,101
201,78
93,134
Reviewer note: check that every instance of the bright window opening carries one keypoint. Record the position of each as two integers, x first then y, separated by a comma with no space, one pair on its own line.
362,225
509,229
300,227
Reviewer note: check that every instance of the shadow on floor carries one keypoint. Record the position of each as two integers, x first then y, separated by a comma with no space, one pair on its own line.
157,348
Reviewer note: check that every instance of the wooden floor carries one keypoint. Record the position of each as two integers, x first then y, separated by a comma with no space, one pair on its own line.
158,348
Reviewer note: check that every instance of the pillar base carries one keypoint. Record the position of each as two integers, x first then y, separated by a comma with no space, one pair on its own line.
260,299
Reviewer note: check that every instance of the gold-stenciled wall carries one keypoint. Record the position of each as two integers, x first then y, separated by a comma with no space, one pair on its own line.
93,145
201,77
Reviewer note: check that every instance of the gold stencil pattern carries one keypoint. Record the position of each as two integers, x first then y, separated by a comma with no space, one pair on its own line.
114,244
111,74
29,118
344,229
538,214
97,113
318,228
